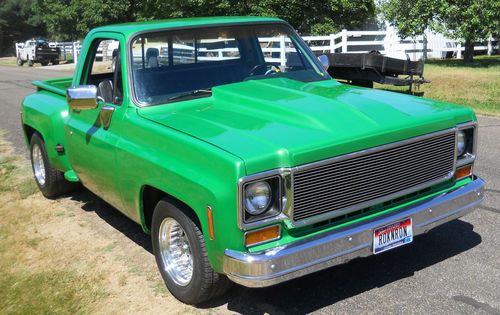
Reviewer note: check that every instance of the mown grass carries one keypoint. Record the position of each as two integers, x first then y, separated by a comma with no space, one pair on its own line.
28,285
44,292
8,61
475,84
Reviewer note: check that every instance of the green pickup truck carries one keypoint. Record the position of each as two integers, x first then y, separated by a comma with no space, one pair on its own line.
229,143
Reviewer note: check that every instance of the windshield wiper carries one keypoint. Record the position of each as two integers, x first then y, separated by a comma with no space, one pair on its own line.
189,94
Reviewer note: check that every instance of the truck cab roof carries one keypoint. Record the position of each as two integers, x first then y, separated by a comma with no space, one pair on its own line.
128,29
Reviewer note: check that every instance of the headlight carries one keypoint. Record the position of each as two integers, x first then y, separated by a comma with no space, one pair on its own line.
260,200
257,197
461,143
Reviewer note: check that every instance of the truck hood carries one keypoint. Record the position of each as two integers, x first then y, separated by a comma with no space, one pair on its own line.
279,122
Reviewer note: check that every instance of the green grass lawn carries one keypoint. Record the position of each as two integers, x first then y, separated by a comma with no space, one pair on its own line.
475,84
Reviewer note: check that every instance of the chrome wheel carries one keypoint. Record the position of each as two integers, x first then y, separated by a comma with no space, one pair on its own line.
38,164
175,251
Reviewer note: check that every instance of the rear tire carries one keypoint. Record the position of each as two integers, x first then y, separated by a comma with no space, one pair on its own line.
30,63
55,62
177,238
44,63
50,181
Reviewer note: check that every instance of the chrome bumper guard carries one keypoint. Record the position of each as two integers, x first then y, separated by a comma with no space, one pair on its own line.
300,258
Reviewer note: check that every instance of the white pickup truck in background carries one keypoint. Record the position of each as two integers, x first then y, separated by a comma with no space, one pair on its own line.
37,51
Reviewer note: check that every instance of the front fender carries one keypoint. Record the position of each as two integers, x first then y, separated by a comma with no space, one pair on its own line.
188,169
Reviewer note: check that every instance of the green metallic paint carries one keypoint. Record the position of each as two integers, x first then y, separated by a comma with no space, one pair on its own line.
71,176
46,113
129,29
197,150
276,123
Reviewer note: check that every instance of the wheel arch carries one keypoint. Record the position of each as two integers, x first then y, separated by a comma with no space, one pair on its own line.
29,131
150,196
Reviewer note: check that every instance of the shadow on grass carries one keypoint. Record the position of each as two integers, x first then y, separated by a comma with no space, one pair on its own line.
478,62
132,230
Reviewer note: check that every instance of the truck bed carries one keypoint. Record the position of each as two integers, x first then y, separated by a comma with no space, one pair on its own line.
57,86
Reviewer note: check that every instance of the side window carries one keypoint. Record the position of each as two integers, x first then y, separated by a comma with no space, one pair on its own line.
104,70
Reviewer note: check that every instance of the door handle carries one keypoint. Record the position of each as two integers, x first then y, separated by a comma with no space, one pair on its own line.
105,116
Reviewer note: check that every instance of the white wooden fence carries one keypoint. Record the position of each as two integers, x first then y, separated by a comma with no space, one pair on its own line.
387,42
390,44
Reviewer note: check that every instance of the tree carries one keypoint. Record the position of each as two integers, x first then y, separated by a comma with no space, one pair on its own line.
467,20
307,16
73,19
471,20
18,21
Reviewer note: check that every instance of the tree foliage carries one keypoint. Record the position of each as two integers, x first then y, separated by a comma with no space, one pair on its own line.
307,16
72,19
467,20
17,19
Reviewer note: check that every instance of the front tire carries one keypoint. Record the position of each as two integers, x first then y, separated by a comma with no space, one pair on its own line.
20,63
181,256
50,181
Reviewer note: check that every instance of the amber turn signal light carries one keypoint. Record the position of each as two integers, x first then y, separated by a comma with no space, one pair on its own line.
210,223
463,172
262,235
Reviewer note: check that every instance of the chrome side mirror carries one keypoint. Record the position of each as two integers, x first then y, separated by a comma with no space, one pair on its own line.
82,97
324,61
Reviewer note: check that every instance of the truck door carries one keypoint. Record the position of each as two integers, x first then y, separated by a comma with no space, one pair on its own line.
91,145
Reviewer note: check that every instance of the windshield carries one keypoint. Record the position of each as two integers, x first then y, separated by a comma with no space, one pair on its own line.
177,65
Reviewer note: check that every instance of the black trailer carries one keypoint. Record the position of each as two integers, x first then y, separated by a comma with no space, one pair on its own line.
365,68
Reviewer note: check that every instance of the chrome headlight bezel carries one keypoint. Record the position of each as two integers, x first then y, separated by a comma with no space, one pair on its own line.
469,131
279,181
461,143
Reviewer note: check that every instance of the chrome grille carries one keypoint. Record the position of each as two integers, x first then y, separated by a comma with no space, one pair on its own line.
355,181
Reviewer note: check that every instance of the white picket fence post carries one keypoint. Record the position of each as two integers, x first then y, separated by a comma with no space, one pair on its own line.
490,45
332,43
344,40
75,52
282,50
459,51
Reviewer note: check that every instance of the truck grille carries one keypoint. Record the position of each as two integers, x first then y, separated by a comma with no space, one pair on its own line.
355,181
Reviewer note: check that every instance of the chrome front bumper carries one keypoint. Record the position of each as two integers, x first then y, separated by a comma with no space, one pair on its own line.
300,258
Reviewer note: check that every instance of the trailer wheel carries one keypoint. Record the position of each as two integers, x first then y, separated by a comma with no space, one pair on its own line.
20,63
30,63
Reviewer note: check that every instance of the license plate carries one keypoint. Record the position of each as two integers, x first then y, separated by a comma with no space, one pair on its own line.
392,235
